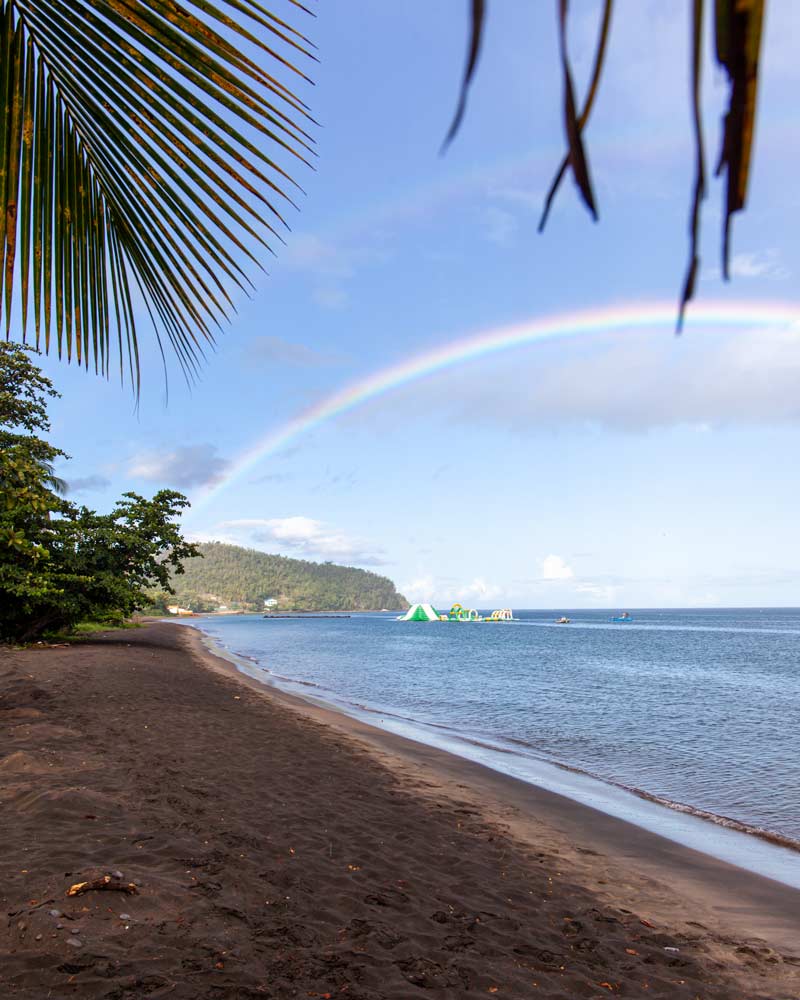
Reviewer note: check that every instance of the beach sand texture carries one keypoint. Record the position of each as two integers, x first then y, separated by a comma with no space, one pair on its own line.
279,855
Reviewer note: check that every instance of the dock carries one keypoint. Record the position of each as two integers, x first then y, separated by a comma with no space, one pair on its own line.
305,616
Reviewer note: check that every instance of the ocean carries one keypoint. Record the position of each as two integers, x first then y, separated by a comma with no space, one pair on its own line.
678,714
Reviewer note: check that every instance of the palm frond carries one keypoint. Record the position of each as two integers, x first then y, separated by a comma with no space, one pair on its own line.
588,104
477,19
699,164
577,154
737,32
143,148
738,41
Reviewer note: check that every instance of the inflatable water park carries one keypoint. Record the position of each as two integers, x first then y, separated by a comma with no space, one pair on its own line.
428,613
458,613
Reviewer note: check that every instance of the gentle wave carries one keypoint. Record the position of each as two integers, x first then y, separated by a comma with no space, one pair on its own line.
693,712
726,822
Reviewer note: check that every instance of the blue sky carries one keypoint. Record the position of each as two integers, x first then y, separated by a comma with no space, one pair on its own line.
621,469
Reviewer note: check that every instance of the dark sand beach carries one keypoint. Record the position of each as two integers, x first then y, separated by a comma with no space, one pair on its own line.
283,850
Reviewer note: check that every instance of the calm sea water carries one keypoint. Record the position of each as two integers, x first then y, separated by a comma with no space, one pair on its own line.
694,707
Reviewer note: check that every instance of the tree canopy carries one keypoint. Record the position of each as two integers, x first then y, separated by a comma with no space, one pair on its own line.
231,575
61,563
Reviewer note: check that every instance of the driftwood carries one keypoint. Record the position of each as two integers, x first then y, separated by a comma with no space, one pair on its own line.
106,882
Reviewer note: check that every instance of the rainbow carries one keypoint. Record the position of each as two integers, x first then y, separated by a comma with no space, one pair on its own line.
634,317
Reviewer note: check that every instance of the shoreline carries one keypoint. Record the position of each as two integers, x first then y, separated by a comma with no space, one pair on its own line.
772,855
753,903
279,850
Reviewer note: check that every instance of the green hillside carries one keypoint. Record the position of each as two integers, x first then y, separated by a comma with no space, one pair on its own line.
237,577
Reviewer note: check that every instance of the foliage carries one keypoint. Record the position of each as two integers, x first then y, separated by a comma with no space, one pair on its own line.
24,391
27,494
81,631
114,558
140,146
154,602
59,563
245,578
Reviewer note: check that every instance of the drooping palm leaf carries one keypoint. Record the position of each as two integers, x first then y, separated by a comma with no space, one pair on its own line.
738,39
738,29
474,50
141,146
699,164
588,104
577,154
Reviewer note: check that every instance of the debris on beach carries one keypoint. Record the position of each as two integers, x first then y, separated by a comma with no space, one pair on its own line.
105,882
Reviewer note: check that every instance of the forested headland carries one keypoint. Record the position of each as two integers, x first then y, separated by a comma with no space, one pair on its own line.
233,577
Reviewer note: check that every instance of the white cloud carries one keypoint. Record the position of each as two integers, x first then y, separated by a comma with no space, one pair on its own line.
330,264
478,590
601,592
307,252
636,381
421,589
500,225
555,568
327,264
87,484
331,296
762,264
306,536
186,465
528,199
276,349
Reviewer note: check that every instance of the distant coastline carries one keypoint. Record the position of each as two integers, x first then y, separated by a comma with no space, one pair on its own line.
230,579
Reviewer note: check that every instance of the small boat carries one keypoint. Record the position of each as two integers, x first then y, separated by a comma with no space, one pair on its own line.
624,617
563,620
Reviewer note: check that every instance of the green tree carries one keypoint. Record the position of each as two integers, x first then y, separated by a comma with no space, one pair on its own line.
28,499
242,577
154,602
60,563
115,558
200,605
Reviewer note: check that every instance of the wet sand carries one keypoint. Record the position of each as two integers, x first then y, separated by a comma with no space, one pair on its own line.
284,850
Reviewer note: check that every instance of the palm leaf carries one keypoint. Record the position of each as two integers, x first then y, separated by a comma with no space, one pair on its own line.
477,20
588,104
699,164
142,144
738,30
738,41
577,154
